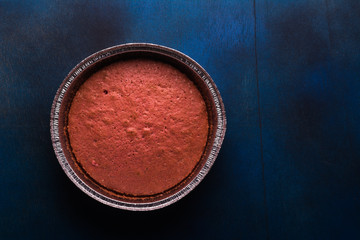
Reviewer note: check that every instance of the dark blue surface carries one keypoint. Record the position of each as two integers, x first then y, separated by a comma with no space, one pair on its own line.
289,74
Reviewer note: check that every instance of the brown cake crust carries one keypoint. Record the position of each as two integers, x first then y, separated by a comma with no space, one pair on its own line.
138,127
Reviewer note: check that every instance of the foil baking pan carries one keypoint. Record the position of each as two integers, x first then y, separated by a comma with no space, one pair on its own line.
91,64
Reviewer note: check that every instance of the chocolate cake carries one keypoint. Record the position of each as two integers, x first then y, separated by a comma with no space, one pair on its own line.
138,127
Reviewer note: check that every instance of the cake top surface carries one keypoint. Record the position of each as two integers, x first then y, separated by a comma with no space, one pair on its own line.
138,127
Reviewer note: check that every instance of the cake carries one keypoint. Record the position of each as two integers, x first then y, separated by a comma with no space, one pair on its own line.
138,127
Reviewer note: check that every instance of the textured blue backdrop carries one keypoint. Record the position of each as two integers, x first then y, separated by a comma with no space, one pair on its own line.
289,74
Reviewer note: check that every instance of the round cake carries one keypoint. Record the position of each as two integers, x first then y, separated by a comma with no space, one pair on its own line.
138,127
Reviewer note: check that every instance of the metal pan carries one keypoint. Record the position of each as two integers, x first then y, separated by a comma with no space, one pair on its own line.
67,90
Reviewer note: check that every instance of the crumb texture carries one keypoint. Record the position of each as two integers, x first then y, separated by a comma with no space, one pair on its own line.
138,127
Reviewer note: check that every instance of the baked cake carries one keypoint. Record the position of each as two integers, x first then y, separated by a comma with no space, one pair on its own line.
138,127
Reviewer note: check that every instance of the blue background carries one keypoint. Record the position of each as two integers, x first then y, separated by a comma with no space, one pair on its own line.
289,75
